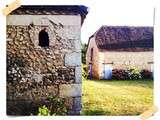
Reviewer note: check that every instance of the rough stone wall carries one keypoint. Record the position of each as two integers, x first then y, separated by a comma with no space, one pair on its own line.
122,60
95,61
34,72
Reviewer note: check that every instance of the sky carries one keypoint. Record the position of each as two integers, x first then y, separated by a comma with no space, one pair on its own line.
116,13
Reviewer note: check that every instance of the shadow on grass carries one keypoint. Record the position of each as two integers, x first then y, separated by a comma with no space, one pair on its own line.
139,82
94,112
112,80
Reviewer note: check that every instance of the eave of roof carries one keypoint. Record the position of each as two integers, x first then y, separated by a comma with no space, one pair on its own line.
52,10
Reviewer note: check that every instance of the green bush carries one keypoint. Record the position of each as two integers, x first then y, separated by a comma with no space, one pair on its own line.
84,71
134,73
43,111
56,106
119,74
146,74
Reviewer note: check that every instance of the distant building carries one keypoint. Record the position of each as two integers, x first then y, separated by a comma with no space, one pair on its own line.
119,47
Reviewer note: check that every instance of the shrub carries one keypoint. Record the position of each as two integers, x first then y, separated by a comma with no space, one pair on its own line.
134,73
84,71
43,111
131,73
56,106
146,74
119,74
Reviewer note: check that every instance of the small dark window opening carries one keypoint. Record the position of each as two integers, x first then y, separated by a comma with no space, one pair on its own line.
91,54
43,38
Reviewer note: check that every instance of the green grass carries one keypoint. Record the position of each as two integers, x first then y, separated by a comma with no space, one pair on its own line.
116,97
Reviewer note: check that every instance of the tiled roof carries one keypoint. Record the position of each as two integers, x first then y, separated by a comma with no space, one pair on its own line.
124,38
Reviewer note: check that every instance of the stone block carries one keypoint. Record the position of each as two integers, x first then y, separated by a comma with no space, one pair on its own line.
77,106
70,90
78,75
73,59
72,20
74,112
71,32
77,45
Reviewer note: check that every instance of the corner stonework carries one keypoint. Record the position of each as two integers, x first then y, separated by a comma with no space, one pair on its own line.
74,90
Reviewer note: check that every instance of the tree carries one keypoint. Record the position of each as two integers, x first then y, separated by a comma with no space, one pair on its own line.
83,52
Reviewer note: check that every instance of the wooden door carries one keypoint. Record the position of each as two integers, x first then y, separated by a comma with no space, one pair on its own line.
107,71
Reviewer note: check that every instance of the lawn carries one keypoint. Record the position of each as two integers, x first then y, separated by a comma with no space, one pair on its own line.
116,97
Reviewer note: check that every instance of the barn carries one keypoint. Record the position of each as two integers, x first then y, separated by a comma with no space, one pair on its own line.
44,58
118,47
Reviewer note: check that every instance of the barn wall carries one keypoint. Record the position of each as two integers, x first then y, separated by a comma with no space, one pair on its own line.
95,62
122,60
34,72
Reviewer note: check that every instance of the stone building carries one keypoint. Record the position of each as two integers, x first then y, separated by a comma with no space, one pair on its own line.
119,47
44,57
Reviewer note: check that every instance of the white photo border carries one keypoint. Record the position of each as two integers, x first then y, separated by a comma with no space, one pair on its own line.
3,3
